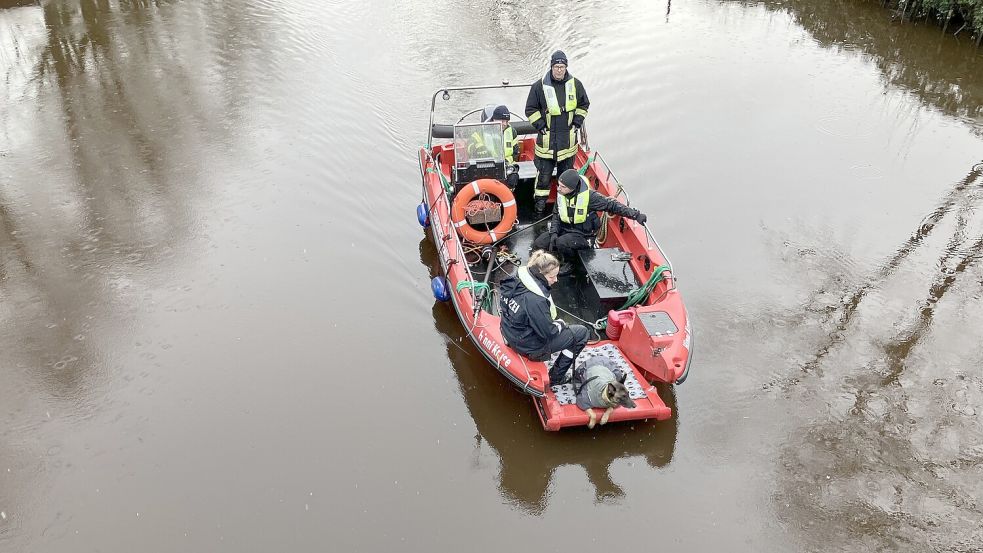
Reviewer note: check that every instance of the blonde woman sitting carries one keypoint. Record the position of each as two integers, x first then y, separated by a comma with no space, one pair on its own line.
529,322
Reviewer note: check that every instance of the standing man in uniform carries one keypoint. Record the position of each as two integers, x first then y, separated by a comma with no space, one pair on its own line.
556,107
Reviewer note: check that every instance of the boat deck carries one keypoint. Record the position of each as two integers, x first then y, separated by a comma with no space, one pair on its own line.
573,293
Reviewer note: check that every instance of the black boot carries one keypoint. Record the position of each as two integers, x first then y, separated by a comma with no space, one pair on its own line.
564,377
540,205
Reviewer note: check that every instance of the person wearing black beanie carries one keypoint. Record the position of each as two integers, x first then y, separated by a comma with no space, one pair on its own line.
556,107
575,221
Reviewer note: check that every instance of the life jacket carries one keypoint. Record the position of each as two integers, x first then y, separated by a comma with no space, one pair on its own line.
579,204
510,144
478,148
553,106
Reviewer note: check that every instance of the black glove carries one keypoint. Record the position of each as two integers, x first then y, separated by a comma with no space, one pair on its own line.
552,247
640,217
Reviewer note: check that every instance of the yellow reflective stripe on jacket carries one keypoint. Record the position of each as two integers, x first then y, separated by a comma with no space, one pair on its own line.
581,112
543,145
564,154
579,205
509,145
532,285
535,117
561,155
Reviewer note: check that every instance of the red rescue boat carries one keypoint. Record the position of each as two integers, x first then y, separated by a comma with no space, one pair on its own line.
624,288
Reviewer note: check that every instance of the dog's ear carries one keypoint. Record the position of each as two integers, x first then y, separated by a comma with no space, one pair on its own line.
622,376
623,397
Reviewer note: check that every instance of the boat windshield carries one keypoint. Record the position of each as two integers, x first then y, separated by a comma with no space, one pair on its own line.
478,142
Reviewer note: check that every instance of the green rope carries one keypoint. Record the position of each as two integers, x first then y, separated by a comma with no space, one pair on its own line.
443,179
583,169
638,295
486,302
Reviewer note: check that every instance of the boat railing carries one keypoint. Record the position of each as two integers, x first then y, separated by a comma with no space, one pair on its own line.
445,93
610,176
449,229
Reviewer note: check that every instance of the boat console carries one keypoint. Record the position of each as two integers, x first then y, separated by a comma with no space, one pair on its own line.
479,153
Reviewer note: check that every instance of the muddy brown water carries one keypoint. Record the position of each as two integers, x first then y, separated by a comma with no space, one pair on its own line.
217,334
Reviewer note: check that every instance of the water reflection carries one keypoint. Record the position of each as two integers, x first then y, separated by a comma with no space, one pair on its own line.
940,77
891,442
528,455
118,189
896,467
960,201
97,196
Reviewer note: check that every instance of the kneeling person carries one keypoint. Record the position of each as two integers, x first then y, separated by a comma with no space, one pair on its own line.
575,221
529,322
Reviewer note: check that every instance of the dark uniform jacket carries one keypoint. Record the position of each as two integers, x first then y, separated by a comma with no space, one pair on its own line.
598,202
560,129
527,324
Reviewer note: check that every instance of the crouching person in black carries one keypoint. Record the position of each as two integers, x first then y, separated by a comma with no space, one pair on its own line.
529,322
575,221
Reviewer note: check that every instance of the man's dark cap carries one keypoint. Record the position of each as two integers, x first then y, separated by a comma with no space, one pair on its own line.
570,178
558,57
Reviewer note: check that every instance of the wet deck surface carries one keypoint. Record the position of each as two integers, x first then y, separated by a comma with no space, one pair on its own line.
209,257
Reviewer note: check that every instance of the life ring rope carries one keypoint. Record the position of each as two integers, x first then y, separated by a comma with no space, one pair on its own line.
490,187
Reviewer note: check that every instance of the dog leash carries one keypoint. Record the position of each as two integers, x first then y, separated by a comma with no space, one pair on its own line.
576,390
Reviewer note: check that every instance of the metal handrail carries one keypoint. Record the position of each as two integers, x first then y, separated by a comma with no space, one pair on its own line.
648,233
453,233
447,90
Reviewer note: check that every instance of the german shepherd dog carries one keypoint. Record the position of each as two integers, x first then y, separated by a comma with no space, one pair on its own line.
601,385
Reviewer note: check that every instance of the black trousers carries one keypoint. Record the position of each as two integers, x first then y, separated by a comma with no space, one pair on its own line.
545,166
566,244
569,342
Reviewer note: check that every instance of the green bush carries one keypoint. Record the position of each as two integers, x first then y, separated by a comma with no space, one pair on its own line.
955,12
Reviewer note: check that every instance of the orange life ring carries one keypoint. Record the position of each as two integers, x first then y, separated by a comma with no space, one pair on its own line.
491,187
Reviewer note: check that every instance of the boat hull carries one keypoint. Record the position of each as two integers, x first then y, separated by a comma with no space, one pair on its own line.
652,359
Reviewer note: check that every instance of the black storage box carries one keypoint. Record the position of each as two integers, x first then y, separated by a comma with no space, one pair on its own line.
610,275
486,169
